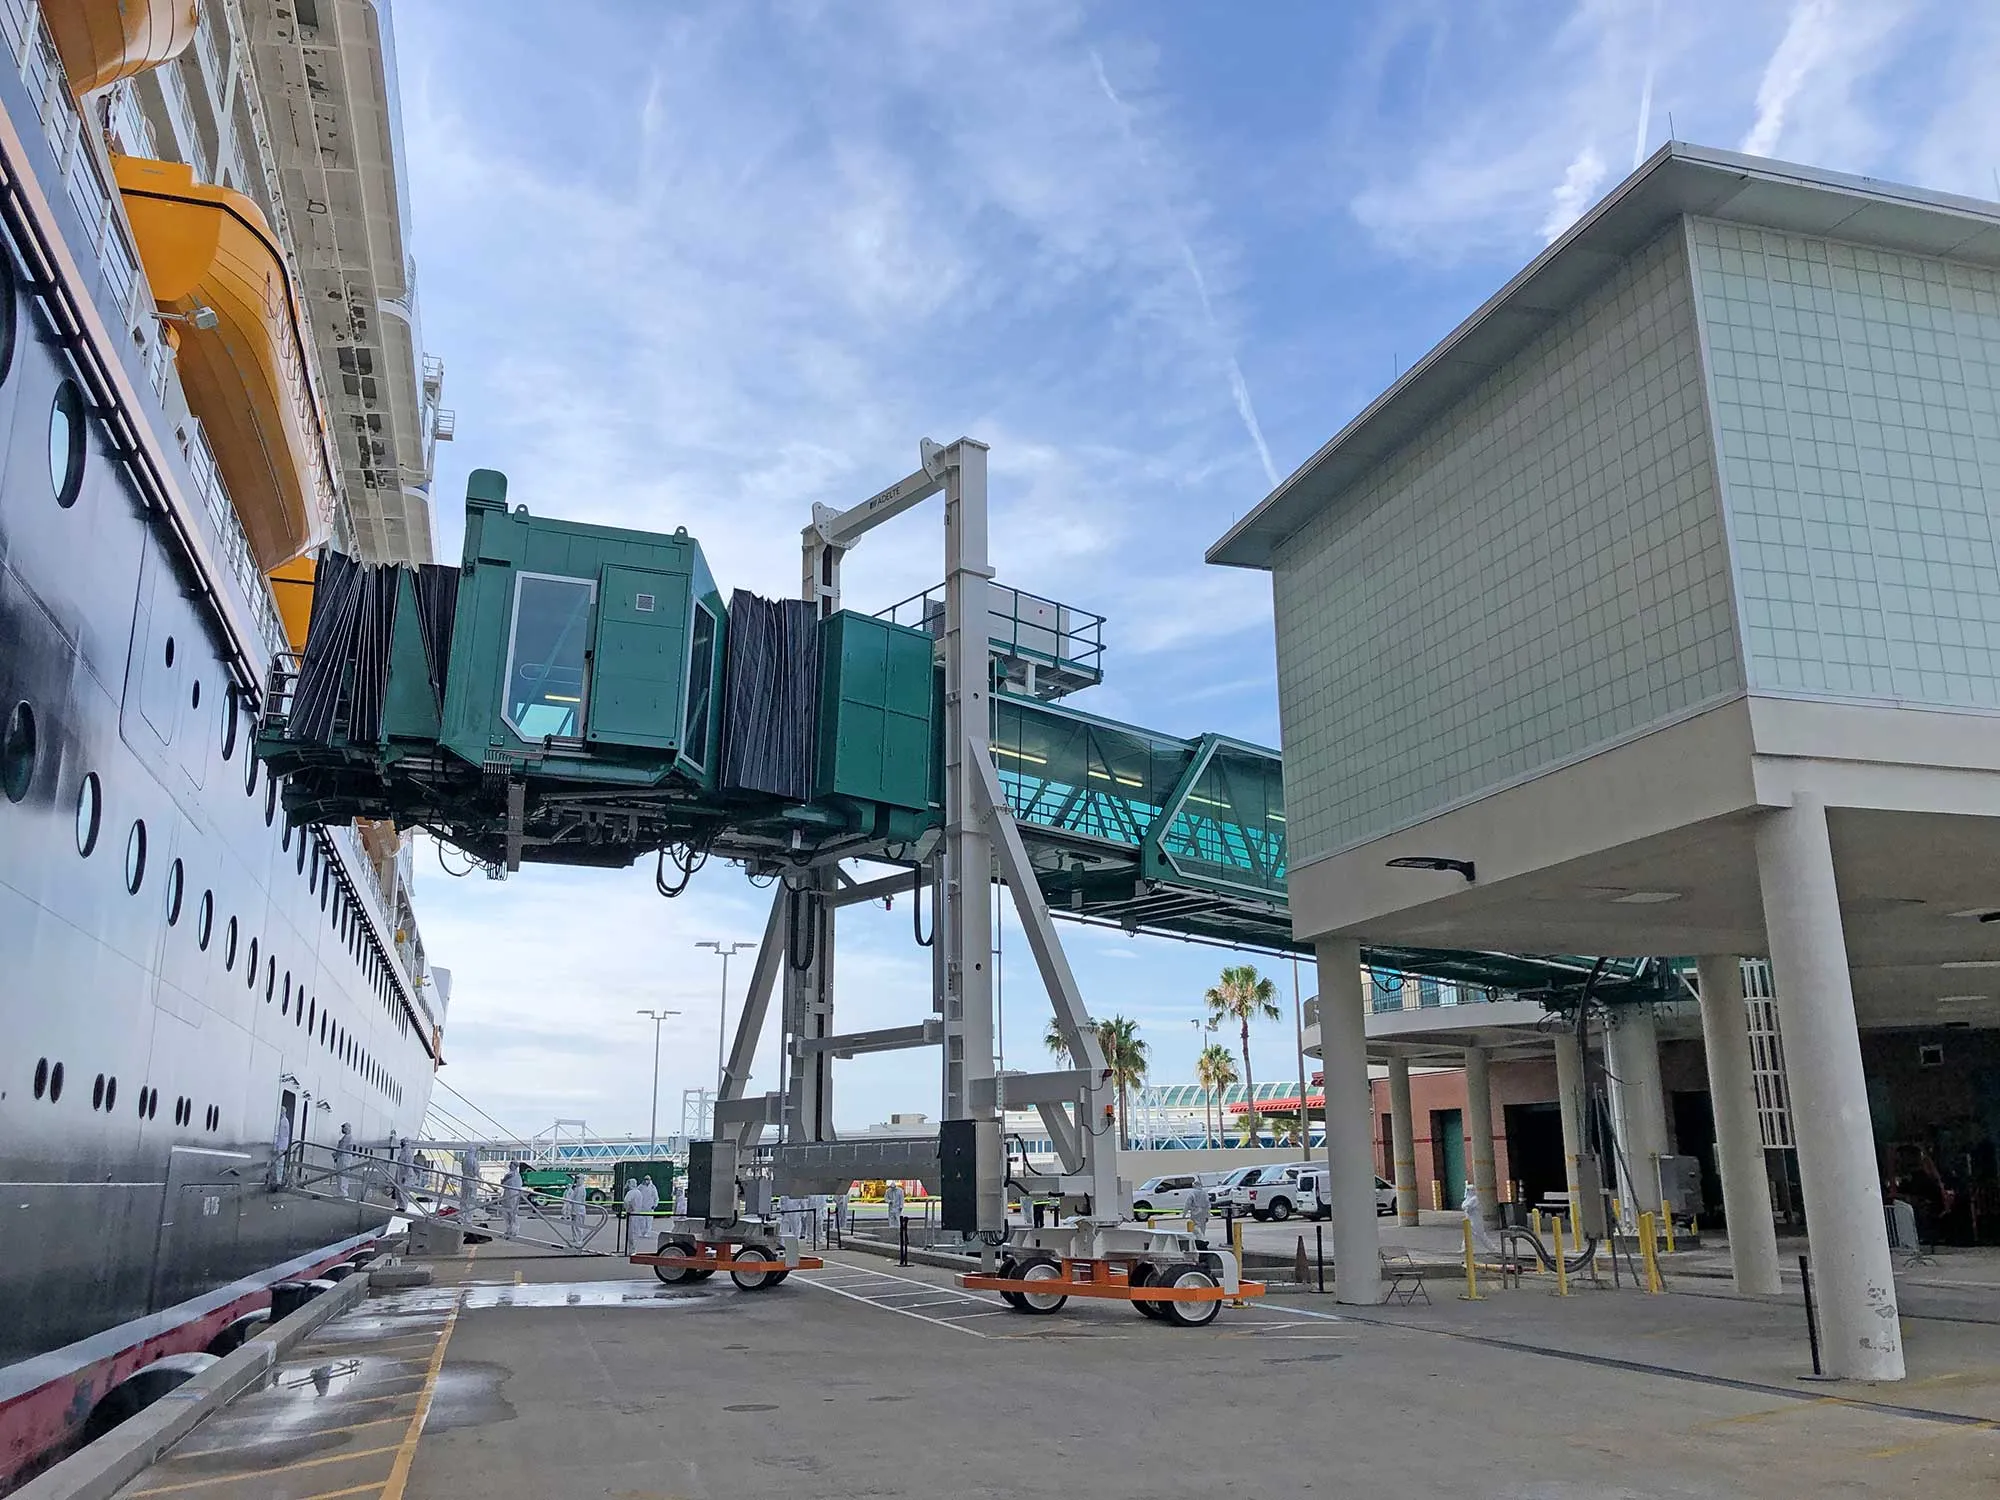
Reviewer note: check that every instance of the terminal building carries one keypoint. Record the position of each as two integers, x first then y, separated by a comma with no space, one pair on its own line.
1656,612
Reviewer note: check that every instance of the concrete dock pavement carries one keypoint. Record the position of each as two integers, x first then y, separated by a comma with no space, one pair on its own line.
540,1375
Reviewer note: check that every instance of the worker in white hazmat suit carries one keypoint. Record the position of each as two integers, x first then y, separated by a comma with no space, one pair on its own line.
892,1199
343,1160
510,1199
573,1209
468,1181
1197,1210
635,1205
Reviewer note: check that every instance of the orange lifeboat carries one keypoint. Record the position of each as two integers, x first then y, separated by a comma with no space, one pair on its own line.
248,378
292,592
102,41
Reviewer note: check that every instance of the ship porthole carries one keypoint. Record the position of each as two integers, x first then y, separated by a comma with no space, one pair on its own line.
194,697
41,1077
55,1083
135,856
229,713
97,1093
89,814
175,880
205,920
66,443
229,945
271,805
110,1095
250,969
17,752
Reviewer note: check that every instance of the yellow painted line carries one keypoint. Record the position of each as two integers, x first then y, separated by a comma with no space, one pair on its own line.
1925,1443
1764,1416
518,1278
406,1451
415,1340
223,1450
304,1463
353,1489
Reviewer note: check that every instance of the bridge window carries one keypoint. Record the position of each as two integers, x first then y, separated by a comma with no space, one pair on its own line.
545,667
701,675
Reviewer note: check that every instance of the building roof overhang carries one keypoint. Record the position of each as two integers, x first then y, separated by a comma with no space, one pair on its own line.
1677,181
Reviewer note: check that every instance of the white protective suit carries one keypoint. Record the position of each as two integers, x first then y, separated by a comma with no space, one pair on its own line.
1197,1210
343,1161
510,1199
406,1171
635,1204
573,1209
893,1201
468,1181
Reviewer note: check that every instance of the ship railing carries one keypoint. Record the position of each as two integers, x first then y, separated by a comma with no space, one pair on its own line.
42,73
281,689
234,544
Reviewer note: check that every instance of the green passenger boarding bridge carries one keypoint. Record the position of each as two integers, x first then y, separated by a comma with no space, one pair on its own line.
583,694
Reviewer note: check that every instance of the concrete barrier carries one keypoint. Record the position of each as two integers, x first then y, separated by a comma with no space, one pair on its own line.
98,1470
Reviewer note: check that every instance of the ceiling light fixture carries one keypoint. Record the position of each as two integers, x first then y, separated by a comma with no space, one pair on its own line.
1971,963
1645,898
1463,867
1961,999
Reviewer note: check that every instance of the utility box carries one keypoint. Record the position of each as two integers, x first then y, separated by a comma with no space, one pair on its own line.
1591,1216
1680,1186
971,1173
877,736
712,1179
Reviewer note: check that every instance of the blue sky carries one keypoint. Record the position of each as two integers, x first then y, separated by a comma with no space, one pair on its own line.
705,265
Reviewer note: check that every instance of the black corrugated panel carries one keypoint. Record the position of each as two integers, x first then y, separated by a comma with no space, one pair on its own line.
770,697
437,608
336,601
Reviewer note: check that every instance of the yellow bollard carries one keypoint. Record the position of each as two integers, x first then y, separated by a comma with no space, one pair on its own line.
1535,1223
1668,1213
1471,1267
1562,1266
1236,1244
1649,1252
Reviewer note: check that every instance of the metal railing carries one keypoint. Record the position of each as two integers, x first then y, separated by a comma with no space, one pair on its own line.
235,545
76,160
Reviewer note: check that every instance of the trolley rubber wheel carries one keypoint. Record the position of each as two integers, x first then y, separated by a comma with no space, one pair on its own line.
1040,1268
1142,1275
678,1275
1188,1314
1010,1268
756,1281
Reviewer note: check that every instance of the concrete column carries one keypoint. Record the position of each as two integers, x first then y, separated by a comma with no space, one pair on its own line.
1402,1141
1838,1178
1479,1133
1350,1133
1569,1094
1739,1148
1638,1107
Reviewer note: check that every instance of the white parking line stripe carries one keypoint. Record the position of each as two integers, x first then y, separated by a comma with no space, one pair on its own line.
901,1312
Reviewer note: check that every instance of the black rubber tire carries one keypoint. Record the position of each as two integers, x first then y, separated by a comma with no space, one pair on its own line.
1037,1268
1142,1274
677,1275
1281,1209
756,1281
1142,1207
1008,1269
1189,1314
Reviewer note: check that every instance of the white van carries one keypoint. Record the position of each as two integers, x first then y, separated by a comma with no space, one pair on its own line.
1312,1195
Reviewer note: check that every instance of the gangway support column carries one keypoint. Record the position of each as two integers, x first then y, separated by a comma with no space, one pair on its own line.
966,928
808,938
1838,1175
1350,1165
1739,1146
1402,1139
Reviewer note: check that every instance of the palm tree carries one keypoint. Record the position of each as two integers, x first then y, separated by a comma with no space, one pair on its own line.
1216,1069
1284,1129
1125,1054
1243,995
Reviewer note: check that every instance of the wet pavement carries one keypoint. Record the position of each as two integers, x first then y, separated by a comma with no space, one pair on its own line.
522,1374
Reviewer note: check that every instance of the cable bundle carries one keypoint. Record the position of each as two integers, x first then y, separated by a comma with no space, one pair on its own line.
770,697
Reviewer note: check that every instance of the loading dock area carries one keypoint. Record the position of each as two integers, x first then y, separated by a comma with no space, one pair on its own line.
525,1374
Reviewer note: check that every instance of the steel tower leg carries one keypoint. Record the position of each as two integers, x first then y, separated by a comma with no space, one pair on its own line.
808,1011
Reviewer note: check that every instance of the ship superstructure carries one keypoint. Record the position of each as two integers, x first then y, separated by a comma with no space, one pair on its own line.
210,363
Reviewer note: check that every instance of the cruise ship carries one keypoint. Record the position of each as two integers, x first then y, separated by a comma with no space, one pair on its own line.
210,364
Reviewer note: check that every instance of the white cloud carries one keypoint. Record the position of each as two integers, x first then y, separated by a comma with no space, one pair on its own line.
1808,104
1576,192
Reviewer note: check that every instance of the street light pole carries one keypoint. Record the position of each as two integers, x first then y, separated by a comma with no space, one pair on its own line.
723,950
653,1126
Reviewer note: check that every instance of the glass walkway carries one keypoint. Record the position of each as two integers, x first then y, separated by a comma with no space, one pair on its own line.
1142,831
